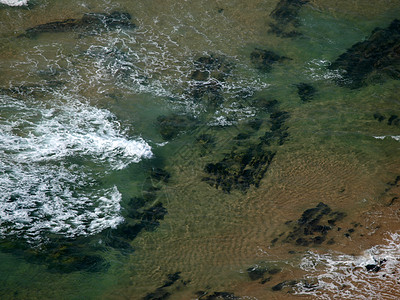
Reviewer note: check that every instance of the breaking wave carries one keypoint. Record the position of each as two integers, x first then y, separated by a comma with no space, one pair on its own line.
51,159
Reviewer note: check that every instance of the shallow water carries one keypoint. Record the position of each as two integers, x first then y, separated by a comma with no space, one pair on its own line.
114,139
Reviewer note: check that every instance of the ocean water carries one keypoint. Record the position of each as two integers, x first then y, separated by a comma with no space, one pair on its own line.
198,150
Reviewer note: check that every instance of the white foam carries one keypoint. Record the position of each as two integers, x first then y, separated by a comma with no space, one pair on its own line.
382,137
42,190
15,2
316,69
342,276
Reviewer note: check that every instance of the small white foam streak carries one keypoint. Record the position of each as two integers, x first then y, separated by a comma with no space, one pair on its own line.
342,276
15,2
382,137
41,192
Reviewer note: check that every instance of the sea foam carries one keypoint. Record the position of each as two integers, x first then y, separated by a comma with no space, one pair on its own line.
51,158
341,276
14,2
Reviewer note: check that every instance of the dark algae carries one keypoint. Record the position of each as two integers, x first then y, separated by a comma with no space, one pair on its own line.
372,60
90,22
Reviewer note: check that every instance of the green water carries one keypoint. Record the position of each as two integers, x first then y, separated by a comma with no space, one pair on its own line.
324,149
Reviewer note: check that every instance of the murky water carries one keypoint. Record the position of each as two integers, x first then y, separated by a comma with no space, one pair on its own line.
199,150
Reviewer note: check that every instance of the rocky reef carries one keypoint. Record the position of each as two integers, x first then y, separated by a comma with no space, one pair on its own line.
252,152
313,226
373,60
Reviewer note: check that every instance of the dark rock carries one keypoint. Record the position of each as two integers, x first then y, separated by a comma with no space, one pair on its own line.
370,60
281,285
393,120
266,280
170,126
285,15
373,268
242,136
379,117
212,66
265,104
206,140
264,59
286,11
305,91
91,22
248,161
73,263
209,93
160,174
331,242
255,124
313,225
274,271
149,220
256,272
219,296
172,278
161,293
157,295
200,75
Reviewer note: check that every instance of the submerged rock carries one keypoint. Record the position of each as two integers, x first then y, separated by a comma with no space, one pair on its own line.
375,267
217,296
170,126
89,22
264,59
210,71
371,60
313,226
285,15
256,272
305,91
211,67
249,158
161,292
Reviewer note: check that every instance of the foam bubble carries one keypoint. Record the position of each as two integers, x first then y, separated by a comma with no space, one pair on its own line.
50,157
346,277
14,2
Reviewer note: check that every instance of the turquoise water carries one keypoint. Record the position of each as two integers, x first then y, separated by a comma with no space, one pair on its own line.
177,150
